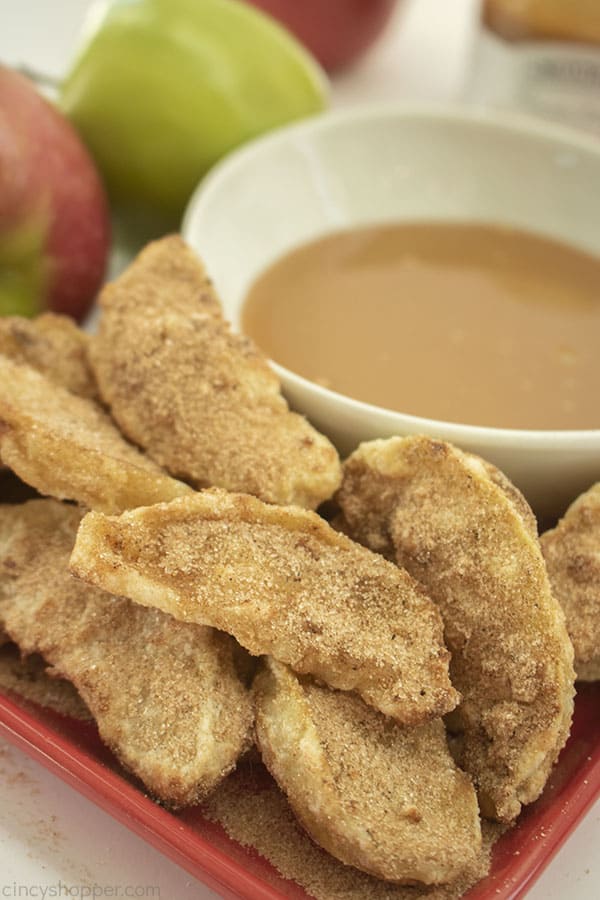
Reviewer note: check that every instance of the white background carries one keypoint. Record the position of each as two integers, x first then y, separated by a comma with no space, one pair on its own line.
50,833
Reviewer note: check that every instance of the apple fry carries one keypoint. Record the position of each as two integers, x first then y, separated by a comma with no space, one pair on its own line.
67,447
202,401
378,796
572,553
467,535
283,583
54,346
165,695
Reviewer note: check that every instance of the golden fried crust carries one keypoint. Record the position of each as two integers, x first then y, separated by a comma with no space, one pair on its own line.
452,521
165,274
165,695
378,796
67,447
282,582
54,346
572,553
203,402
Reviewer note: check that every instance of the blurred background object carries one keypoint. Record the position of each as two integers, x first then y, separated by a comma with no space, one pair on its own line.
54,218
337,32
540,57
162,89
421,54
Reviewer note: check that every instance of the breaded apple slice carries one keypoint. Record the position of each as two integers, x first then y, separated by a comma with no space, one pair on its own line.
67,447
572,553
165,272
203,402
468,536
377,795
165,695
283,583
53,345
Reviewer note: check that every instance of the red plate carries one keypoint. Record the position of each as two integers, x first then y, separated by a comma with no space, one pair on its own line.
73,751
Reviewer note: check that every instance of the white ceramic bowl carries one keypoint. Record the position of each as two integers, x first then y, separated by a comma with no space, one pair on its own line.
394,164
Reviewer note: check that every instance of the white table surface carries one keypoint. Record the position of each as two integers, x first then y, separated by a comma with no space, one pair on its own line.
51,838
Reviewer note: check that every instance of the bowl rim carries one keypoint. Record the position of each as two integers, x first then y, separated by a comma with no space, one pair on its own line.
506,121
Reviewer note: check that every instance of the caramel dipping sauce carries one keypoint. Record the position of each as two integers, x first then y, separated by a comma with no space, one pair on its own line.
470,323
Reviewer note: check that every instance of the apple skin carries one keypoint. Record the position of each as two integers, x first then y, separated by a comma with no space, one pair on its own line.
337,32
160,90
54,214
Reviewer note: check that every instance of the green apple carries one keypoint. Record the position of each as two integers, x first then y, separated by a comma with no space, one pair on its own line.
161,89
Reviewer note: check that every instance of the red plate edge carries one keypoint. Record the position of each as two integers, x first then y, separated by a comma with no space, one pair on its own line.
231,880
544,826
128,805
528,866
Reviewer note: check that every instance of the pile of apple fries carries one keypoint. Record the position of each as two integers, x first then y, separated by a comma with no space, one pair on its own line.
173,570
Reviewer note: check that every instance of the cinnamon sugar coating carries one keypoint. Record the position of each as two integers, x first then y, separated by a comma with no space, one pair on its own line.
202,401
67,447
465,533
572,553
255,813
53,345
379,796
165,695
283,583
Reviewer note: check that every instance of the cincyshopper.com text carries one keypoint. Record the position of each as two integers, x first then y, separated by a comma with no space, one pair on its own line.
62,889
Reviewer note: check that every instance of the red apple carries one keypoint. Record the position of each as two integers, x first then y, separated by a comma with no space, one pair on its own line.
54,218
337,32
